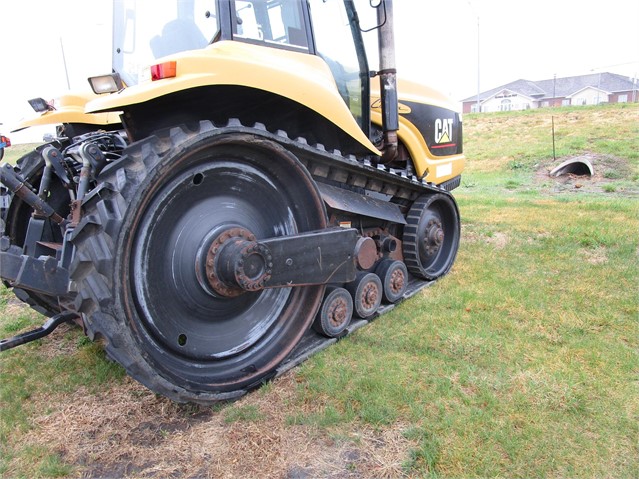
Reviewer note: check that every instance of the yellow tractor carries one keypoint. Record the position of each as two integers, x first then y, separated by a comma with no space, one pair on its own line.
265,193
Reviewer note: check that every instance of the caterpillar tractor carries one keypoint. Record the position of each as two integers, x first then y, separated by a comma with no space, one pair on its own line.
261,194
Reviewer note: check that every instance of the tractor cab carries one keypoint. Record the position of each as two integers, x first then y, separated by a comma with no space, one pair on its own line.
146,32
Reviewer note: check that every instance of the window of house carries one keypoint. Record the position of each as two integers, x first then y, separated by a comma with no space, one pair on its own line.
565,102
622,98
545,103
506,105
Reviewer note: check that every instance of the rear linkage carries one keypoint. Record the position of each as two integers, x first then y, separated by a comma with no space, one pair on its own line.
42,266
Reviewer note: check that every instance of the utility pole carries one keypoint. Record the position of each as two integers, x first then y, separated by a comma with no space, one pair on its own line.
64,61
478,110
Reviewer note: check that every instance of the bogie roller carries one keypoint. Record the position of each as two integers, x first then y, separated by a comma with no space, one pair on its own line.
335,314
394,279
367,292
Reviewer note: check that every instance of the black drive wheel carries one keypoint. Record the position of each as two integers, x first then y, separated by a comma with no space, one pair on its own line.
431,236
16,217
147,241
367,292
394,278
336,313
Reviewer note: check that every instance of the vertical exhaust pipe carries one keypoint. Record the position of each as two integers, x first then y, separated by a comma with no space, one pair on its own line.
388,80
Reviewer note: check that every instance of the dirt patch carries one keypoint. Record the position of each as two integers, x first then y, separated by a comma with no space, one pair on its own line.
496,239
594,256
608,169
129,432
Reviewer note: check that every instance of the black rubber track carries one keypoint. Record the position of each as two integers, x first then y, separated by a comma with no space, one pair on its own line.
106,287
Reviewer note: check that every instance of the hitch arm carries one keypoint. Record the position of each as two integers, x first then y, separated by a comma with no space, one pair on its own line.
46,329
12,181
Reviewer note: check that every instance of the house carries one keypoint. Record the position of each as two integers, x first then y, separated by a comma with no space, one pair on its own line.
590,89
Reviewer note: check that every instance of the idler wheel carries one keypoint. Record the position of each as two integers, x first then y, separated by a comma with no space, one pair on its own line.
335,314
367,292
431,236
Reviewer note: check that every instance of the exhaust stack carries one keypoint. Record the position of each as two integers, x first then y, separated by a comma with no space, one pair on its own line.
388,80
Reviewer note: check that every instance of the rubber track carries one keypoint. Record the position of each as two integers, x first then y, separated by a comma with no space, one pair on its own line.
104,209
410,240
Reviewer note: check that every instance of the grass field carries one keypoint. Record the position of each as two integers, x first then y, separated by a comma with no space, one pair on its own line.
522,362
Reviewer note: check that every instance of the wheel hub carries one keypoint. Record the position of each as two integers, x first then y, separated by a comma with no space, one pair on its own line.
370,295
338,312
235,263
434,236
397,280
223,238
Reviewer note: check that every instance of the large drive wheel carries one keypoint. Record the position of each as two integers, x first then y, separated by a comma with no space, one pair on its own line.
431,236
16,221
147,240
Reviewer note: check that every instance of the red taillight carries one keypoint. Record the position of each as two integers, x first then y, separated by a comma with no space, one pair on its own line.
163,70
5,140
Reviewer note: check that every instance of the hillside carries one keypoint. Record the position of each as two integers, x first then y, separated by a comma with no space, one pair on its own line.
515,149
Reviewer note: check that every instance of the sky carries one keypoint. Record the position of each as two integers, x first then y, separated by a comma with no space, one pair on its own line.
438,43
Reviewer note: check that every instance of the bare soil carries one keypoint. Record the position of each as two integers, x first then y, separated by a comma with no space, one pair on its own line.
129,432
608,170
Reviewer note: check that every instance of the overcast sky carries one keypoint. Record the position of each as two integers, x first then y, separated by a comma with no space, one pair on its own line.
436,41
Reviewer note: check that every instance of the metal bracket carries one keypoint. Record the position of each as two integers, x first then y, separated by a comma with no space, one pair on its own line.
46,329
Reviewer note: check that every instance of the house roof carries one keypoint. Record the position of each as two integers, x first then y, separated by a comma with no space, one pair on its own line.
561,87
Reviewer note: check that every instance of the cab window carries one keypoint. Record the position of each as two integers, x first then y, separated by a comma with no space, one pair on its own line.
272,22
336,43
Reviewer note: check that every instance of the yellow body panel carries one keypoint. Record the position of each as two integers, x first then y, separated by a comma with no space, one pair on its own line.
300,77
70,108
426,164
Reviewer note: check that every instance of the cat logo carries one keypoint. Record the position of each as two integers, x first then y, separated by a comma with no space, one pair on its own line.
443,133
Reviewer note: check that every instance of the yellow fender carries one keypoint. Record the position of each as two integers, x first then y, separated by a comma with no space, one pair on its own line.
303,78
436,169
70,108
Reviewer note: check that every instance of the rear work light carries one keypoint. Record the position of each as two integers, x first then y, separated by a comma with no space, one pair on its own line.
106,83
163,70
40,104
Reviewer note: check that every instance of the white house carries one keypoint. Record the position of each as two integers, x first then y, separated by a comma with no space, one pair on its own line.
590,89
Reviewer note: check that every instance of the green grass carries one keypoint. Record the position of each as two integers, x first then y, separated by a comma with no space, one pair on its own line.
14,152
29,378
522,362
